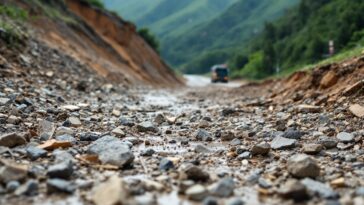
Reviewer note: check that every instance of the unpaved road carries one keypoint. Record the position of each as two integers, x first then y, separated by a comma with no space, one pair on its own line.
201,144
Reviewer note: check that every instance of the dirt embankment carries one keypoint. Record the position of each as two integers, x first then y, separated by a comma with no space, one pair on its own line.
101,40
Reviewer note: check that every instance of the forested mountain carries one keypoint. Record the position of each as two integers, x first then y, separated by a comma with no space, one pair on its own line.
302,36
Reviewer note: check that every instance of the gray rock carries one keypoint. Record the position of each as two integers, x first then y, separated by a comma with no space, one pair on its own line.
301,165
12,140
35,153
197,192
46,129
210,201
63,170
294,189
160,118
195,173
235,142
293,134
112,151
260,149
147,127
223,188
282,143
166,164
319,188
12,172
227,136
74,122
202,149
66,137
235,201
345,137
64,131
244,155
30,188
126,122
203,135
312,148
12,186
327,142
4,101
60,186
147,153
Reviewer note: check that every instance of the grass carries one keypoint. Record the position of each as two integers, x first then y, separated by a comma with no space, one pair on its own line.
10,18
54,13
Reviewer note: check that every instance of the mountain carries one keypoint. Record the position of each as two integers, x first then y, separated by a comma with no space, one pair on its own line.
302,36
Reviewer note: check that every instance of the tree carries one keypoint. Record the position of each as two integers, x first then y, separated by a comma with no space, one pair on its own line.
149,38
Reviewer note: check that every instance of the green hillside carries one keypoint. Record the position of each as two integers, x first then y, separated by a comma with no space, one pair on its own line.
301,37
215,41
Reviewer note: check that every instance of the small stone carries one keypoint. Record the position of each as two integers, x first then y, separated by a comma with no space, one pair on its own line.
227,136
210,201
244,155
197,192
60,186
353,88
357,110
147,153
30,188
261,149
54,144
195,173
126,122
327,142
282,143
235,201
203,135
203,124
166,164
223,188
71,108
35,153
329,79
202,149
12,140
63,170
293,134
13,172
112,192
159,119
118,132
66,138
147,127
46,129
74,122
235,142
116,113
301,165
294,189
64,131
308,109
312,148
345,137
4,101
319,188
339,182
12,186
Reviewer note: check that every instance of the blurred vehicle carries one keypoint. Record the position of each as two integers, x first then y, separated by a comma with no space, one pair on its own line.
220,73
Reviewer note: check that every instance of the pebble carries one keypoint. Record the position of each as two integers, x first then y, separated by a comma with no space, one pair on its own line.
60,186
166,164
319,188
12,140
282,143
13,172
12,186
235,201
74,122
63,170
294,189
223,188
227,136
293,134
30,188
35,153
197,192
112,192
118,132
202,149
327,142
203,135
260,149
312,148
147,127
301,165
345,137
210,201
195,173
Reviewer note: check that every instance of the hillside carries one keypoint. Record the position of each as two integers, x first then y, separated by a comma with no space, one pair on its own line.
302,36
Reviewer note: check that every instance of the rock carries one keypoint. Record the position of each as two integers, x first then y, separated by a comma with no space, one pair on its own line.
223,188
350,90
202,149
72,108
66,138
235,201
195,173
357,110
166,164
13,120
74,122
228,111
116,113
90,136
312,148
46,129
147,153
64,131
4,101
112,192
12,186
227,136
159,119
210,201
308,109
35,153
244,155
126,122
319,188
360,191
294,189
235,142
147,127
293,134
13,172
197,192
261,149
327,142
203,124
12,140
30,188
329,79
301,165
203,135
118,132
112,151
282,143
54,144
63,170
60,186
345,137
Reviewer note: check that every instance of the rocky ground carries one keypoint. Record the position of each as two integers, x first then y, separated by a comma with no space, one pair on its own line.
69,137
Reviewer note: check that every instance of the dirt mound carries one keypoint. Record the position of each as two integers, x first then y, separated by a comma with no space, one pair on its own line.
98,39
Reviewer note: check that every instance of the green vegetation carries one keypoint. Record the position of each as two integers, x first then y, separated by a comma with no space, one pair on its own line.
301,37
96,3
149,38
10,32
